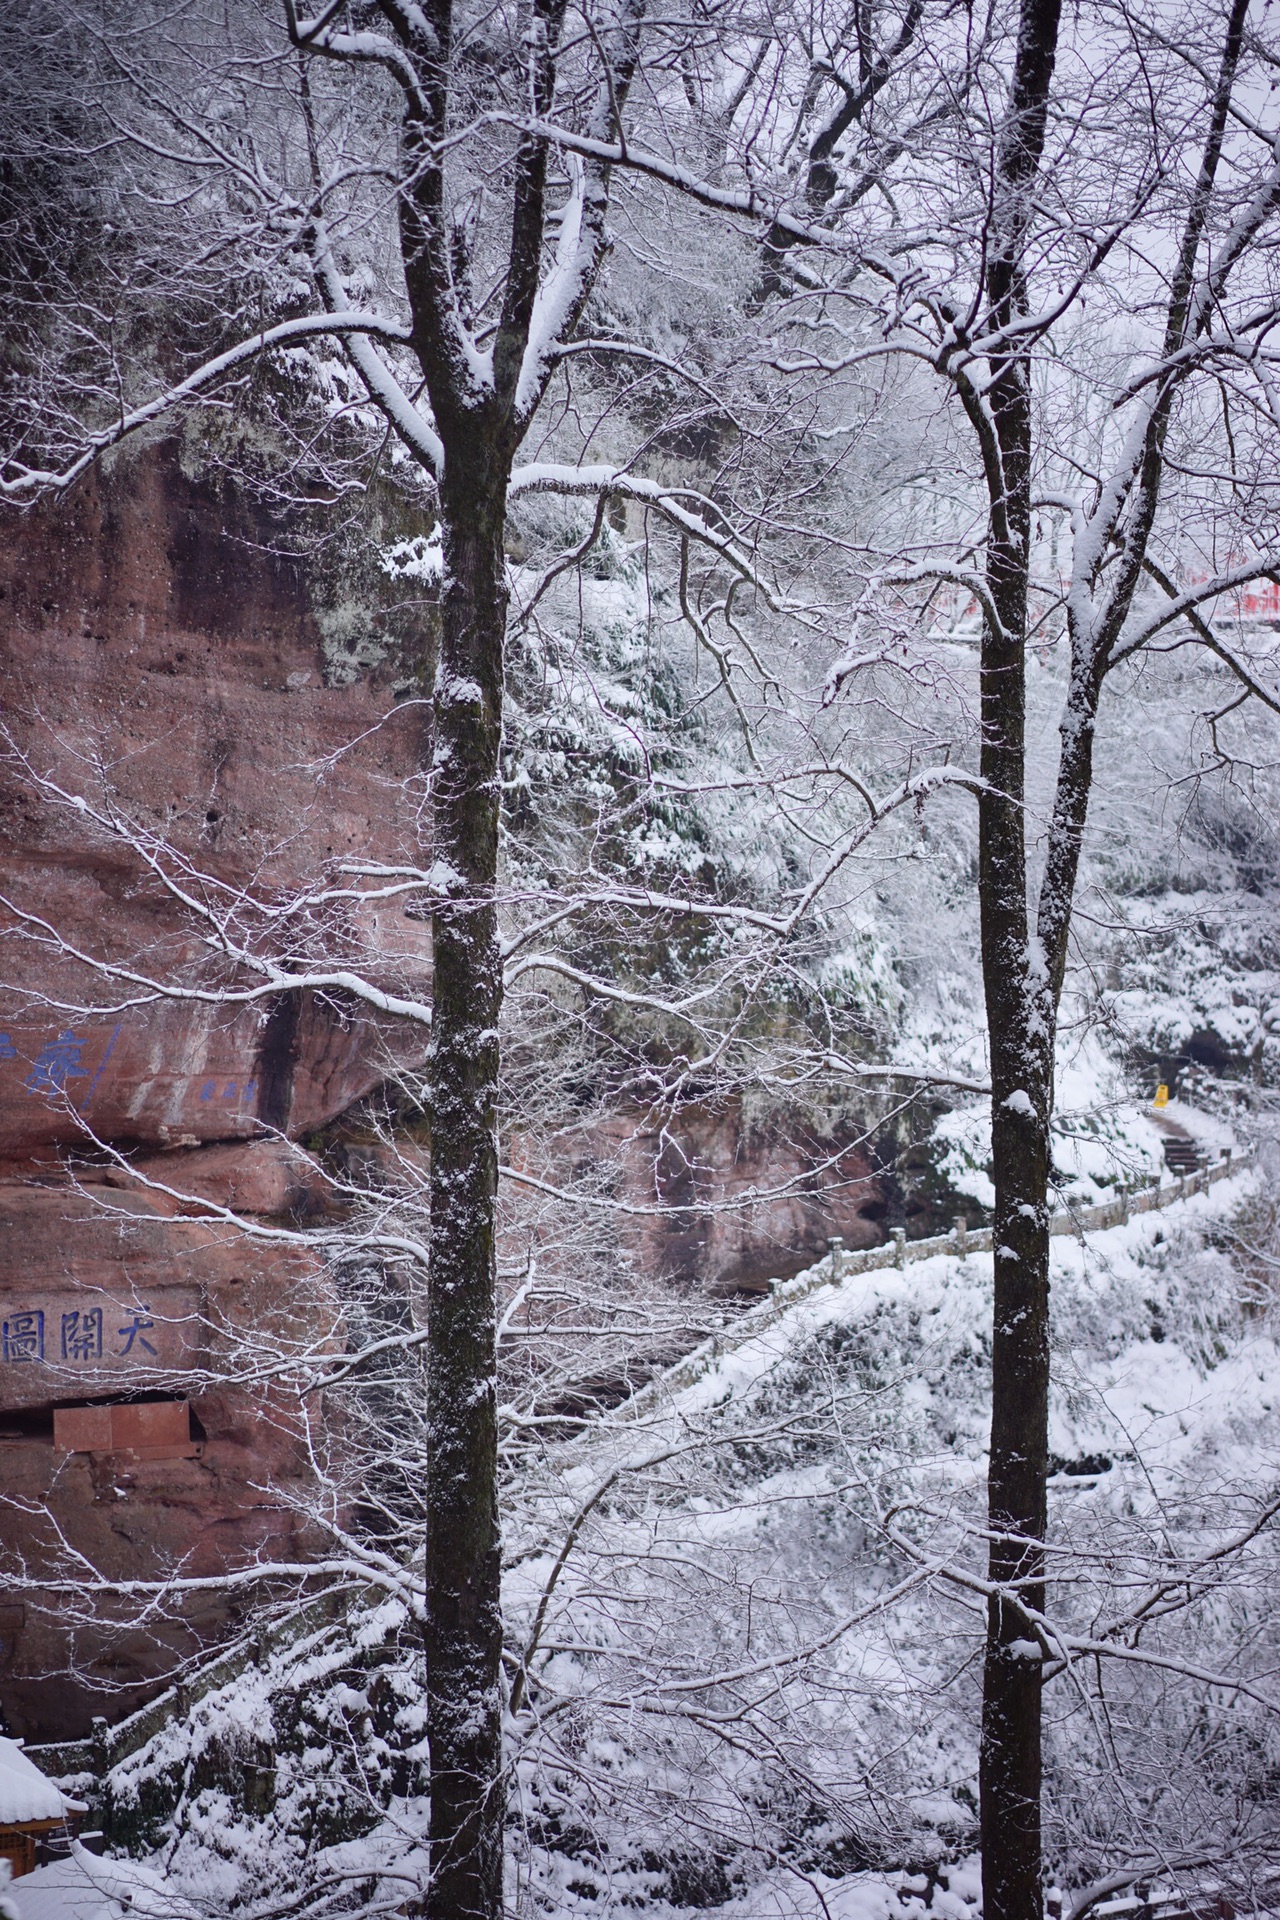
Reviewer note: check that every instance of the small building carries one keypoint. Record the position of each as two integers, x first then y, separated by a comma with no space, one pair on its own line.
31,1808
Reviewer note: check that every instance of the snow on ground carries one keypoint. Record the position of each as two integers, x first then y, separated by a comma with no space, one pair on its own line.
953,1895
807,1475
949,1300
60,1891
1206,1128
752,1683
84,1887
1102,1138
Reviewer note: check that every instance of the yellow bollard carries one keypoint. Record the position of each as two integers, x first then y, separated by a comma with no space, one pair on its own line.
1162,1096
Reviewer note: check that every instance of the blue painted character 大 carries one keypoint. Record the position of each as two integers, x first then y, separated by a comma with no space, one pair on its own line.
137,1330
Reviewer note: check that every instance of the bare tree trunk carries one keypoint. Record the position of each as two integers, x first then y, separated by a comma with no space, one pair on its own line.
1020,1020
463,1632
1019,1016
1022,1091
1023,975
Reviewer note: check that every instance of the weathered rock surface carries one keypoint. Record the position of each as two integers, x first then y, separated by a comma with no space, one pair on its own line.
161,667
105,1296
735,1206
167,672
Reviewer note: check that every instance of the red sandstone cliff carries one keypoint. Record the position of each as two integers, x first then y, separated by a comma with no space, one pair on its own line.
155,659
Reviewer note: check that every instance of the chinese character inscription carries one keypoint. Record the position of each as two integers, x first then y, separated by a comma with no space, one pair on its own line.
57,1062
23,1337
84,1335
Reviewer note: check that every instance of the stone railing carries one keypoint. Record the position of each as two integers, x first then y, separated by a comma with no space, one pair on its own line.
81,1767
842,1261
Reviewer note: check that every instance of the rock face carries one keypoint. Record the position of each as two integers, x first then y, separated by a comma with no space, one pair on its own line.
164,678
732,1205
165,682
178,761
104,1297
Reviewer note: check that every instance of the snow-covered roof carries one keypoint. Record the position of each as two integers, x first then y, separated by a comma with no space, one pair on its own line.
61,1891
25,1792
83,1887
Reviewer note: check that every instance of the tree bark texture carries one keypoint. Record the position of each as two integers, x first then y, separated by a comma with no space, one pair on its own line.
1021,1041
1020,1019
463,1631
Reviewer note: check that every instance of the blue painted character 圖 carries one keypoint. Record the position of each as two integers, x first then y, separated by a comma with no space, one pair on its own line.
22,1338
57,1062
82,1335
7,1049
137,1330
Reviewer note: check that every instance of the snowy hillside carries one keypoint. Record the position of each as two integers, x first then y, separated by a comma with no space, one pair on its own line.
752,1619
639,645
